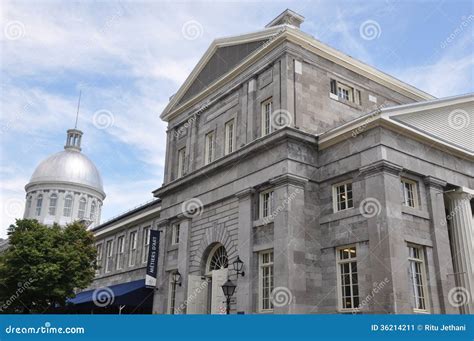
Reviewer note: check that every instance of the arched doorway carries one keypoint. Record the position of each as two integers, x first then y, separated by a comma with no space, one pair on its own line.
216,273
205,295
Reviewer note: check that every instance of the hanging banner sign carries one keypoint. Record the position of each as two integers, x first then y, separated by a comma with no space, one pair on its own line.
152,263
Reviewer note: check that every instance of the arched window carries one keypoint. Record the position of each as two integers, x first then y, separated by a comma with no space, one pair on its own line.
218,258
67,206
93,210
53,201
28,206
39,203
82,208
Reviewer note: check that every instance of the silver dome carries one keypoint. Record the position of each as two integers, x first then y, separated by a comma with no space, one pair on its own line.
68,166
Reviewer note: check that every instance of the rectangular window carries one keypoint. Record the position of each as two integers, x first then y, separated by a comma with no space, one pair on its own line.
109,253
181,162
347,277
266,204
132,254
410,197
99,258
345,92
265,281
229,137
209,148
175,234
266,117
333,86
417,278
120,251
171,294
342,196
146,243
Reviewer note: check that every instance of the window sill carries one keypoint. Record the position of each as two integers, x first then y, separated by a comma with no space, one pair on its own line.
336,98
419,311
347,213
173,247
262,222
415,211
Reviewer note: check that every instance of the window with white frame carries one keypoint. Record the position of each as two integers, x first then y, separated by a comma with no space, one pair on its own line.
109,255
417,273
28,205
181,162
175,234
99,258
209,148
266,117
81,213
146,243
120,252
53,202
171,293
39,204
410,194
342,196
266,204
67,210
265,281
229,137
347,278
345,92
132,254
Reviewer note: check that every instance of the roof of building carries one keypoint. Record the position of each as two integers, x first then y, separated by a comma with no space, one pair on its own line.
257,44
134,211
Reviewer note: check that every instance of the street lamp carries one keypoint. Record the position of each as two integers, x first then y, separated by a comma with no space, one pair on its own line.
228,288
238,266
177,278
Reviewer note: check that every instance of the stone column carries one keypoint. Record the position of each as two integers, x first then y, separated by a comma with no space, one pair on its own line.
159,298
462,242
183,261
289,244
441,249
245,247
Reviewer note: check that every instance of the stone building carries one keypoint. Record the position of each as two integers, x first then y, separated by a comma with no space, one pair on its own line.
341,188
65,187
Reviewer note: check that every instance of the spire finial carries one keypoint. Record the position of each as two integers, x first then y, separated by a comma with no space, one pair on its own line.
78,106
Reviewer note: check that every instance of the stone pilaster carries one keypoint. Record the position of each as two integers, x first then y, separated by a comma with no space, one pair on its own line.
183,261
462,242
159,298
289,244
245,247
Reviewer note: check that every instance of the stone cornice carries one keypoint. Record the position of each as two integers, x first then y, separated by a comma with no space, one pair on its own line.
381,166
245,193
434,182
289,179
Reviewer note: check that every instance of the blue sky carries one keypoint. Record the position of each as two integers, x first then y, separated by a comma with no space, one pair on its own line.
128,58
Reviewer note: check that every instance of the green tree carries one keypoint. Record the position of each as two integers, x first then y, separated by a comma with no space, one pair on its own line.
44,264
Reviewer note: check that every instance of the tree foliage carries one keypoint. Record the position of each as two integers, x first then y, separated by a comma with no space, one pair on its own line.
44,265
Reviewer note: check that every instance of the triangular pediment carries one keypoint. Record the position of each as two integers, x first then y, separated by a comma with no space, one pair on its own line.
222,61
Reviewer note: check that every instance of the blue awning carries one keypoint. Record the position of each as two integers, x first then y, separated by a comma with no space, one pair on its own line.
131,293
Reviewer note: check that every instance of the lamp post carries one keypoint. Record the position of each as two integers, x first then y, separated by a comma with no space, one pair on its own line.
229,289
176,281
238,266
